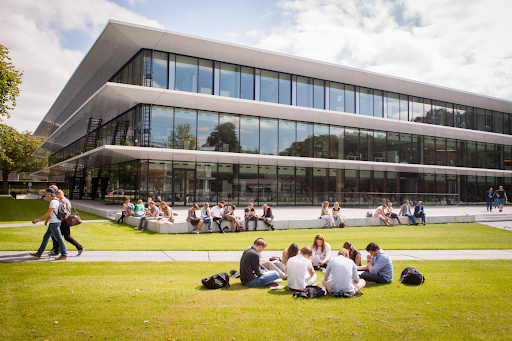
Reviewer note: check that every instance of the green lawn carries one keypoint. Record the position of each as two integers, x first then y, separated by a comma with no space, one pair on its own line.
113,236
24,211
460,300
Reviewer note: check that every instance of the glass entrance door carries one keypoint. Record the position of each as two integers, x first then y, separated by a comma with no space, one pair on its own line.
184,189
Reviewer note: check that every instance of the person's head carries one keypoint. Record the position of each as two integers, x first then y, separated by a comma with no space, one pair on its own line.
490,189
306,251
233,207
406,202
319,242
50,193
195,206
139,201
59,194
151,204
250,205
325,204
336,204
373,249
384,206
206,205
222,202
260,244
343,252
501,188
348,246
127,200
55,188
420,203
390,204
163,205
158,199
264,206
293,250
150,199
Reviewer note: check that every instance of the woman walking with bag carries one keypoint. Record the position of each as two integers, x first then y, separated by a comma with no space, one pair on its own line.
65,229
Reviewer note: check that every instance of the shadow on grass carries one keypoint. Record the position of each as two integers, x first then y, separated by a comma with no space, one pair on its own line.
232,287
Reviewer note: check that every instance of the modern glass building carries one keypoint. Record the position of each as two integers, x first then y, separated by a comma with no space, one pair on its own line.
150,112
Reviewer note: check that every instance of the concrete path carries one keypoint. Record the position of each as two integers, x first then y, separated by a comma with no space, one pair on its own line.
42,223
234,256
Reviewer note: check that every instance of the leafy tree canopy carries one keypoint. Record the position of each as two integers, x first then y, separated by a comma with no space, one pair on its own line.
10,79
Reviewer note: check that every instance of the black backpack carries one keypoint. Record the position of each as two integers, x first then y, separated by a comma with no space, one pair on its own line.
311,291
411,276
216,281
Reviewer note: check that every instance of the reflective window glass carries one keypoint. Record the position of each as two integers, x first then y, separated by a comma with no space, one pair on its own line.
229,129
440,151
490,153
186,73
449,115
462,156
162,127
318,94
351,181
137,70
379,150
248,182
417,149
267,185
228,183
378,181
416,109
303,186
429,150
337,97
393,106
393,146
366,145
440,183
460,116
350,99
268,136
230,80
285,89
249,135
185,122
488,120
507,156
247,83
439,113
304,139
378,103
205,76
404,108
471,149
506,123
351,144
286,185
365,102
269,86
336,142
405,148
321,141
304,92
286,138
498,122
470,118
451,152
481,158
427,111
480,119
207,130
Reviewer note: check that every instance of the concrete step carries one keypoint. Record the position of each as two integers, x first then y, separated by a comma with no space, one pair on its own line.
493,217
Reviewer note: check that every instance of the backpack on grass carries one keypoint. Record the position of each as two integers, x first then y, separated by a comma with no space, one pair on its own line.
411,276
311,291
216,281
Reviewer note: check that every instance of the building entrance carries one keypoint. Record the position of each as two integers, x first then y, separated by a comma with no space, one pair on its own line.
184,189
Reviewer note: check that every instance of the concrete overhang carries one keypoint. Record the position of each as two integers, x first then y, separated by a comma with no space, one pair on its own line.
107,155
113,98
119,41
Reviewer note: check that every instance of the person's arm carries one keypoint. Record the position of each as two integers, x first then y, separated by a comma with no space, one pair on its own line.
311,270
355,275
44,217
327,254
255,263
358,259
327,272
368,265
379,264
246,212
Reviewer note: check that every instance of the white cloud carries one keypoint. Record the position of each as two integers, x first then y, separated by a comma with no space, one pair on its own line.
34,32
463,44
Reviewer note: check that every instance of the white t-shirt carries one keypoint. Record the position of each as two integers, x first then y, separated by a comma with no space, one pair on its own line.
319,256
217,212
55,205
341,270
297,271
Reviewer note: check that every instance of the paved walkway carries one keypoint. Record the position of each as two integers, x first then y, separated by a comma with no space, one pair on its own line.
234,256
42,223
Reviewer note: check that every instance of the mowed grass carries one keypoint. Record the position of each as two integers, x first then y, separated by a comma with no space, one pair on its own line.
26,210
113,236
460,300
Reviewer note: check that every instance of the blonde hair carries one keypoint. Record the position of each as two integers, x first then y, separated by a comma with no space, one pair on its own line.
343,252
139,201
54,187
325,204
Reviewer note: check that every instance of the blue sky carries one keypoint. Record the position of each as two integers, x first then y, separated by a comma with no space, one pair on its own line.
462,44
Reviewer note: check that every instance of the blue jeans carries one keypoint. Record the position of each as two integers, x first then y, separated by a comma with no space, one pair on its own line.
53,228
422,216
489,204
209,221
413,220
264,279
368,276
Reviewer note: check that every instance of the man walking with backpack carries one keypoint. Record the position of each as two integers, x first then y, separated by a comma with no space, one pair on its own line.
65,229
53,227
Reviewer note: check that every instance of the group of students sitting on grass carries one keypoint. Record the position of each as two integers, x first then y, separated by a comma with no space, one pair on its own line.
343,273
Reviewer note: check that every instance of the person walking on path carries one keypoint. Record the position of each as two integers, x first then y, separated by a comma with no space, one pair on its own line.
53,227
65,229
488,198
252,274
502,196
379,268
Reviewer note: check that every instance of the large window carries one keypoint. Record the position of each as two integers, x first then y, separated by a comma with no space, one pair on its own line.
287,138
336,142
230,80
351,143
247,83
380,150
205,77
249,135
440,151
321,141
337,97
480,119
285,89
365,102
350,99
229,129
318,94
268,136
160,69
429,150
405,148
304,139
460,116
269,86
393,106
404,108
185,123
366,145
378,104
207,130
162,127
304,92
393,146
186,73
286,185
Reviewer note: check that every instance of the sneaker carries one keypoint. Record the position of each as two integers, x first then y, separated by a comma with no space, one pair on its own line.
80,252
273,284
54,253
61,257
424,224
33,254
272,227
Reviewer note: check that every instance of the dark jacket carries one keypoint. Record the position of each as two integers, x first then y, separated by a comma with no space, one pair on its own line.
269,214
249,265
417,210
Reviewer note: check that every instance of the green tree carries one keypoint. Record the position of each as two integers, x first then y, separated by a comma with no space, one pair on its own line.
16,153
10,79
